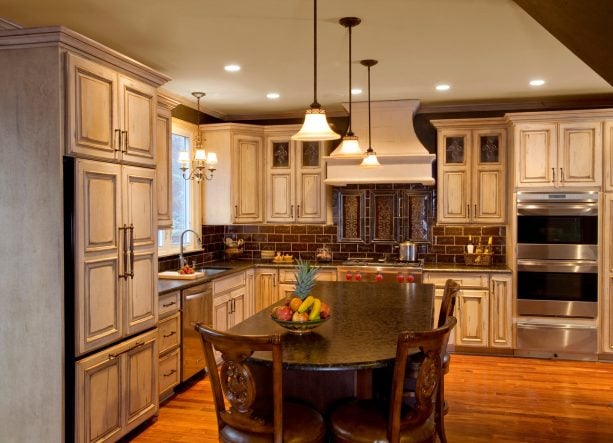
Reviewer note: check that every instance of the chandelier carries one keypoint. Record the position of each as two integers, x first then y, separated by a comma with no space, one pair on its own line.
202,165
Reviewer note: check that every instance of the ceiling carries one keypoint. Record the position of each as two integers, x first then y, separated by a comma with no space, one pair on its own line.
487,50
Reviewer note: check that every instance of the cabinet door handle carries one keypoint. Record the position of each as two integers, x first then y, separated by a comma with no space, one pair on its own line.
125,141
274,280
137,345
131,229
235,211
291,210
117,140
553,171
561,174
467,209
166,305
169,335
475,210
298,211
124,230
168,374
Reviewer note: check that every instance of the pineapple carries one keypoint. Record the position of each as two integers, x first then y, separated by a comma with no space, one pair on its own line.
305,278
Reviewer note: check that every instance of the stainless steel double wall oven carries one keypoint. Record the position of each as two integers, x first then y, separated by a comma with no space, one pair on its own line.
557,273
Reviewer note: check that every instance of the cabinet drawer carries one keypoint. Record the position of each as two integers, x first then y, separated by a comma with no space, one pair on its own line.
168,304
465,279
169,332
230,282
169,367
287,275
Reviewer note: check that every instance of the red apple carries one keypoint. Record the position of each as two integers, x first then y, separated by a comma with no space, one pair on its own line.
324,310
301,318
284,313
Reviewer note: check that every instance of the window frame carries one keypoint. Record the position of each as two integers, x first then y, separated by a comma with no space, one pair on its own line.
165,246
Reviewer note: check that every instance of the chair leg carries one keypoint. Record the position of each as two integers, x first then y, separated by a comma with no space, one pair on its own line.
439,412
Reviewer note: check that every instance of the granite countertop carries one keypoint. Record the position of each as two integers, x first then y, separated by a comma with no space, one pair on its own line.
232,266
362,331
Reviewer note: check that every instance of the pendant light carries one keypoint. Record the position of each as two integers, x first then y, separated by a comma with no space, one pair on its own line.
370,159
315,126
202,166
349,146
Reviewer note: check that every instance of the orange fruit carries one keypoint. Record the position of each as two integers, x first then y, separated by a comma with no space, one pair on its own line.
295,303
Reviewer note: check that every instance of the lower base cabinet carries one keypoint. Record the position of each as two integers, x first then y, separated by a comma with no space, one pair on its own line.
483,308
169,343
117,389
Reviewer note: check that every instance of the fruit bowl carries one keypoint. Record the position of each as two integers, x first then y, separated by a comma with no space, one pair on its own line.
297,327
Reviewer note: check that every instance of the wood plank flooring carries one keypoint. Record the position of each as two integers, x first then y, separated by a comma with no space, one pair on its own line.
491,399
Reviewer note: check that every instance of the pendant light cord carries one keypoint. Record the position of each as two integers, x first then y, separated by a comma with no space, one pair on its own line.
350,131
315,104
369,128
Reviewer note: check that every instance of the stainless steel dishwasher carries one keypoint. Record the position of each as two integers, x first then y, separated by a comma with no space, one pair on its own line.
197,306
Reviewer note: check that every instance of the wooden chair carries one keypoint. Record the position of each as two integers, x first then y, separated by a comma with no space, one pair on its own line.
237,419
394,421
447,307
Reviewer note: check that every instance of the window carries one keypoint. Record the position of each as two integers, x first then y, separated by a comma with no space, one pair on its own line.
185,196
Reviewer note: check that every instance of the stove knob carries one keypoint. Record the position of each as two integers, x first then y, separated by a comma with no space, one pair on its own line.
358,276
410,278
379,277
400,278
348,276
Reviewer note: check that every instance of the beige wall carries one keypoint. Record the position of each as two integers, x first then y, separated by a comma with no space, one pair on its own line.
31,248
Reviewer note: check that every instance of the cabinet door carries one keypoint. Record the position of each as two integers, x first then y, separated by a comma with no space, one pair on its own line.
168,371
169,333
266,288
608,154
140,399
488,176
238,306
247,187
221,312
139,212
580,153
91,109
472,312
98,247
310,189
280,166
249,293
137,117
501,311
98,396
454,159
536,154
163,167
606,336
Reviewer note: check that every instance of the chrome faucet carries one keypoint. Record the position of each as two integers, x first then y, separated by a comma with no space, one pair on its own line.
182,261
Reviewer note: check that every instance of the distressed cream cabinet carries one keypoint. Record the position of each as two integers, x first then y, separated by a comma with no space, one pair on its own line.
471,170
163,168
233,300
295,191
110,116
115,253
116,389
169,339
558,149
267,289
236,193
483,308
608,153
606,303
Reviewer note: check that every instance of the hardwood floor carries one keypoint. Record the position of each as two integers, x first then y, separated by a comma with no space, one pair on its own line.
491,399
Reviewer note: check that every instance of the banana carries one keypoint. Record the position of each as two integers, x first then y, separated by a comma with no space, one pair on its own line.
314,315
306,304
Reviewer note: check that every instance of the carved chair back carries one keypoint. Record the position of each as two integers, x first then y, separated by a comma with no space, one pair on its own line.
236,383
431,344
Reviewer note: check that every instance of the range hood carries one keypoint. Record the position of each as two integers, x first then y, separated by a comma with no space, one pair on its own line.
402,156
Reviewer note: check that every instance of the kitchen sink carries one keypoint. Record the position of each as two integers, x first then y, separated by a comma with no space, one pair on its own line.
208,272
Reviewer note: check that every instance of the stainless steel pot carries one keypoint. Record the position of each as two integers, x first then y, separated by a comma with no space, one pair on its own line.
407,251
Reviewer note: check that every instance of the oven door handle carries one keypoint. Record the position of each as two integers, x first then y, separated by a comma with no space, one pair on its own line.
589,267
547,208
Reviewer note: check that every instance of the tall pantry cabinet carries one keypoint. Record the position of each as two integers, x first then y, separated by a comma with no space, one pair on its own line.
91,321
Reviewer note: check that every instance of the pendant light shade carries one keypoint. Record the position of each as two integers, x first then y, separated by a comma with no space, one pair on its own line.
370,159
315,125
350,145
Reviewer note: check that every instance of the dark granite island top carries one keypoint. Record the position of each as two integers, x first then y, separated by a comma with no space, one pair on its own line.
362,331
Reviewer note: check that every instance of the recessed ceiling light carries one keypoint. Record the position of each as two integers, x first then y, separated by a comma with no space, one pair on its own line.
537,82
442,87
356,91
273,95
232,68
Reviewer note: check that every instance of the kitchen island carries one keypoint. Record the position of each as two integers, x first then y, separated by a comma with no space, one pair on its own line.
343,355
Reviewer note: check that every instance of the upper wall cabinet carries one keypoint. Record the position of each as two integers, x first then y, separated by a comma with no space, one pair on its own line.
608,154
163,169
295,191
560,149
471,170
110,116
236,192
